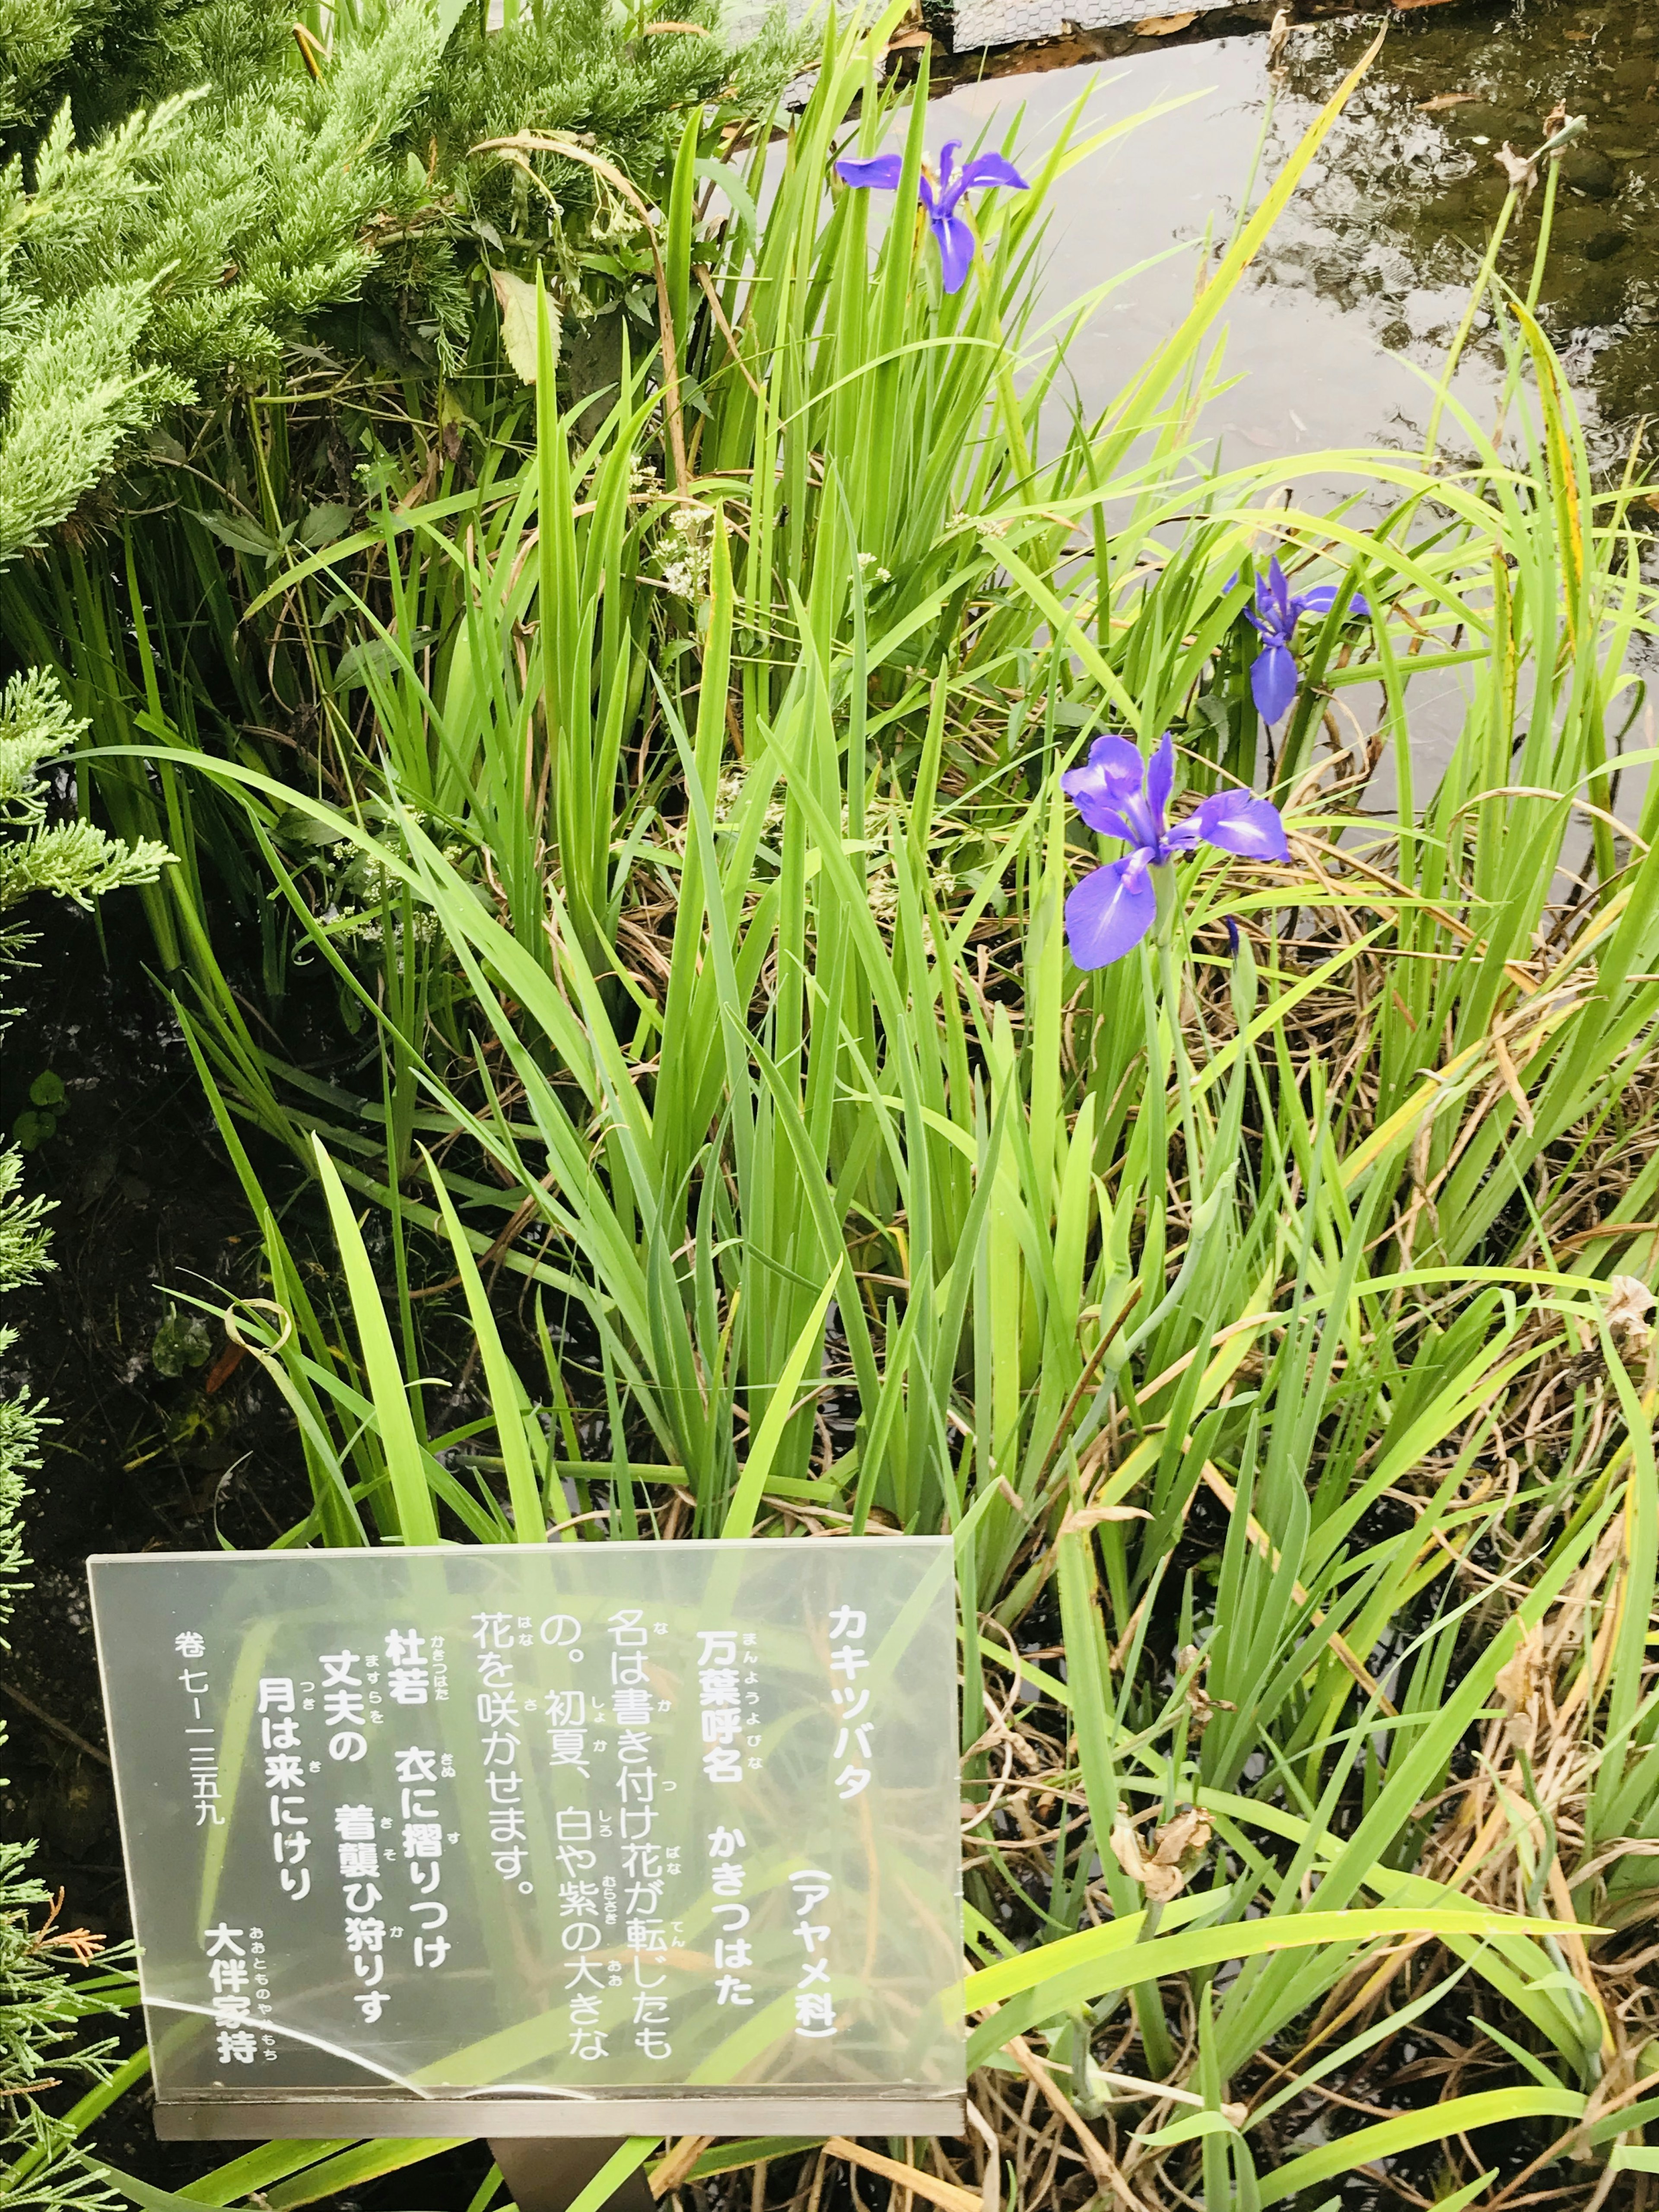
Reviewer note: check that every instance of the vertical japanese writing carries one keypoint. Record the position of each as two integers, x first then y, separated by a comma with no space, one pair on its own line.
282,1750
655,1815
497,1637
356,1829
815,2003
418,1770
847,1628
733,1955
202,1750
239,1985
351,1703
408,1667
587,1896
751,1696
345,1705
564,1712
719,1696
644,1936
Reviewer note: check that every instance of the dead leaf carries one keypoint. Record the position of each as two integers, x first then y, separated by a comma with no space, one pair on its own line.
1165,26
1629,1303
1500,1052
1176,1850
1521,1731
948,2195
1517,167
1183,1837
1161,1884
1087,1516
1126,1847
1520,1678
908,42
672,2169
231,1358
1444,100
1201,1707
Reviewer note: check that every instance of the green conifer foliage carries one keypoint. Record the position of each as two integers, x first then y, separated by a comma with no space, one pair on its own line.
266,177
41,2003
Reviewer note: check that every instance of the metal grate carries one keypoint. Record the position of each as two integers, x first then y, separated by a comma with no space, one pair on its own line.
974,23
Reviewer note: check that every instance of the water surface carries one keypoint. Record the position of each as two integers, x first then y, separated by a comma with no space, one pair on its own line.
1351,304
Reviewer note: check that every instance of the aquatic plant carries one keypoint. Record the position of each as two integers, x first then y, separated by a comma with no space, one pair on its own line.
1274,615
941,196
1124,795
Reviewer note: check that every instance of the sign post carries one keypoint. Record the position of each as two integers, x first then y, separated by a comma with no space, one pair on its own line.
552,1845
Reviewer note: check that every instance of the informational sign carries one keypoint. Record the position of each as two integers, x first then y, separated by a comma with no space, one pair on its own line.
670,1830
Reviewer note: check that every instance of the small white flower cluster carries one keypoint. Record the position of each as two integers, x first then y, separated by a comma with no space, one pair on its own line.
684,554
868,561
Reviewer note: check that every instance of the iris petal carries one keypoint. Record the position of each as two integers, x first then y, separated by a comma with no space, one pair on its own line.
881,174
1110,912
1322,599
1109,782
1238,822
988,169
1279,596
955,248
1160,782
1272,682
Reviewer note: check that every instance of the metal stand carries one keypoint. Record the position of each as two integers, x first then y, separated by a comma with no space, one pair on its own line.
549,2174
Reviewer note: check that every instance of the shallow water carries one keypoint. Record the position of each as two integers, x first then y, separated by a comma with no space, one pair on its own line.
1341,328
1351,303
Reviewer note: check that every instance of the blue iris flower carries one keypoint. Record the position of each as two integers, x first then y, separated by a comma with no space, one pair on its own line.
1125,795
1274,617
953,232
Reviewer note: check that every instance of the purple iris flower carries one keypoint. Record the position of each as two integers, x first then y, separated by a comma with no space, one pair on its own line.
1274,617
1127,796
953,232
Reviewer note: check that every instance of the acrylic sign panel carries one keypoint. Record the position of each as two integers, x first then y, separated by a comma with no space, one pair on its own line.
609,1819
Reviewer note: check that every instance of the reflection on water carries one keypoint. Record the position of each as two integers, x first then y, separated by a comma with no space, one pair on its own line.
1409,199
1357,294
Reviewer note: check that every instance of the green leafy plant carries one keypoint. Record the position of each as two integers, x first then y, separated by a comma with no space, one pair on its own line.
1263,1315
